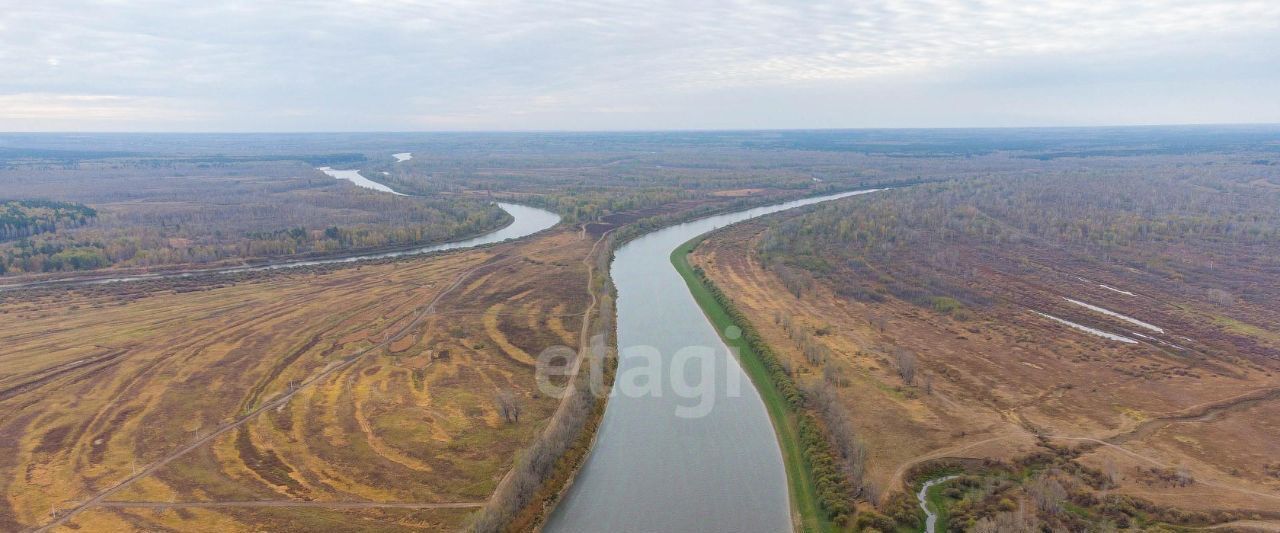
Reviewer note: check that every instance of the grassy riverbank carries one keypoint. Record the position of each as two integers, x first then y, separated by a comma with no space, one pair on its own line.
800,482
938,503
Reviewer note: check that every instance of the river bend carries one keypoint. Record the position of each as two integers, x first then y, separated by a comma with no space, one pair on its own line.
659,464
525,221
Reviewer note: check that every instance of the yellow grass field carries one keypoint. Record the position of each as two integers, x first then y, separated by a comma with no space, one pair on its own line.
390,399
1000,378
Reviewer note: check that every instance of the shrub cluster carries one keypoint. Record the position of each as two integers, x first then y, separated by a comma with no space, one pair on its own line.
1050,491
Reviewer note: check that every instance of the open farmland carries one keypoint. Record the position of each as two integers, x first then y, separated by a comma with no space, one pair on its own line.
923,313
100,383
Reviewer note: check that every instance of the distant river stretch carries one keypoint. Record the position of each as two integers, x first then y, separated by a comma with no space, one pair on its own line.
525,221
653,469
354,176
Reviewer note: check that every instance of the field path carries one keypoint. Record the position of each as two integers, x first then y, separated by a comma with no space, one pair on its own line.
1249,525
1139,456
101,497
898,481
1198,413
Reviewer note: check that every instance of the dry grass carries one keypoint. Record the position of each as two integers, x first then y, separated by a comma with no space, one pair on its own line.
98,384
737,193
1005,375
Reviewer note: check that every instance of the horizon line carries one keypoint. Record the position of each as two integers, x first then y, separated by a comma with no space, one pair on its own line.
643,130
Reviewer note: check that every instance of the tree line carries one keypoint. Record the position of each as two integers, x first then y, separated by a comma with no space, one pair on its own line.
912,243
25,218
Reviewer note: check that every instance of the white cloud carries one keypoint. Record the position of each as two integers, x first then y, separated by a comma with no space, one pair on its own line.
504,63
91,108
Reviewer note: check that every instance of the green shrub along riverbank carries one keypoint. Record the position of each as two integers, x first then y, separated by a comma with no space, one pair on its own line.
820,492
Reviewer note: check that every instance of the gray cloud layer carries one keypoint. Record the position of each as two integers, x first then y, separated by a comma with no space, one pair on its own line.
564,64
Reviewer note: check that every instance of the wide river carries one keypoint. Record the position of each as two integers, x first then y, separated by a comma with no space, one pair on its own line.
692,453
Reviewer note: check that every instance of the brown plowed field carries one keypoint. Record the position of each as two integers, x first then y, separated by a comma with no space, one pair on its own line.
1005,374
380,381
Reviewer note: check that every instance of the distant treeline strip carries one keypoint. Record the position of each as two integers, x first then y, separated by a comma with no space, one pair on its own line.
24,218
44,236
8,154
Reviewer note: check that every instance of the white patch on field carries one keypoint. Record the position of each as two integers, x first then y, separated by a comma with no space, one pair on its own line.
1087,329
1114,314
1113,289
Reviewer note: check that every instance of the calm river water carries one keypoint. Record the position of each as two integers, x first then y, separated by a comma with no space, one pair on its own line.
696,455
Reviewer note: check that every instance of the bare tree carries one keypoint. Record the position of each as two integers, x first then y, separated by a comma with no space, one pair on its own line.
795,280
1184,477
834,373
1112,472
906,365
1008,522
508,406
1221,297
1048,494
536,462
814,352
877,321
850,449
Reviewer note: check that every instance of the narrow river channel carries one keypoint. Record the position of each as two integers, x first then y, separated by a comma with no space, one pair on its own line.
930,517
690,453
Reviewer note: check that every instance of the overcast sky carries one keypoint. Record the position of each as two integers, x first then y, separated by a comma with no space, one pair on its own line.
400,65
